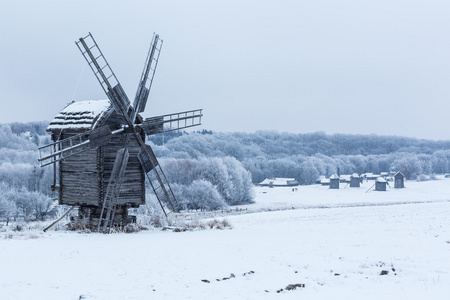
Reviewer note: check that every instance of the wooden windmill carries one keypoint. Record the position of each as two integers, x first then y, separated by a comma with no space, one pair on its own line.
100,145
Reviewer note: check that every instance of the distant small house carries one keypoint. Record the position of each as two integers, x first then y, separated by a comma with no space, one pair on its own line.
272,182
384,174
380,184
334,181
399,180
355,180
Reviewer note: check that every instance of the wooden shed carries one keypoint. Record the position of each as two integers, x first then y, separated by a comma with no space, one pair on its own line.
399,180
83,179
334,181
380,184
355,180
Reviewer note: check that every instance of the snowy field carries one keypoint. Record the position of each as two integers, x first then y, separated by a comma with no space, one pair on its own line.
334,244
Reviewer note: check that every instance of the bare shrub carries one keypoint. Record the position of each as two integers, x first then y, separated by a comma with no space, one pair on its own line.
212,224
79,225
17,227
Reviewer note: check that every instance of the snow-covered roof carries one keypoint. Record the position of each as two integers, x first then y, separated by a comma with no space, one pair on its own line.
79,116
380,179
399,175
345,177
334,176
279,181
355,175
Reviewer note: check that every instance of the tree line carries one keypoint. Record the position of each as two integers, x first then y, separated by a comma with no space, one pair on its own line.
24,186
267,154
210,170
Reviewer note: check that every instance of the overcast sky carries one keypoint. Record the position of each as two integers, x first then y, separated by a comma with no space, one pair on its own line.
354,66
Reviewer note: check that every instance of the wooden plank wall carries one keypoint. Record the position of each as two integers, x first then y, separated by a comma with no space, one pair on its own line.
132,190
84,177
79,179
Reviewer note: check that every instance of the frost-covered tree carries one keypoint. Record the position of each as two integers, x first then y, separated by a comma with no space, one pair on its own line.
11,140
256,167
22,200
29,205
358,163
179,171
200,195
241,182
309,173
409,165
42,205
441,163
8,208
215,171
426,163
231,180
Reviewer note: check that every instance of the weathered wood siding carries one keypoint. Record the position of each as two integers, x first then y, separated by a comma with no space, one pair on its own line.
380,186
79,178
132,190
84,177
399,183
355,182
334,183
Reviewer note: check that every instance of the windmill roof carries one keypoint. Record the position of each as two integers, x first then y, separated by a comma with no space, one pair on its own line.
79,115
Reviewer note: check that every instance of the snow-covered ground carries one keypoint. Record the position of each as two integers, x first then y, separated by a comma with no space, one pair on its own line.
334,242
318,196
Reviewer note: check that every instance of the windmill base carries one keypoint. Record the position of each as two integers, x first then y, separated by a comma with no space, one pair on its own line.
88,218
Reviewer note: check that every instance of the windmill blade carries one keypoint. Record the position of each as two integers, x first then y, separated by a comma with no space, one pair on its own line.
61,149
76,144
106,77
148,73
100,136
113,188
172,122
157,179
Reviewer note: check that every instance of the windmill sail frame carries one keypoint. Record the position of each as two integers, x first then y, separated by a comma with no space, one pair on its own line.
87,154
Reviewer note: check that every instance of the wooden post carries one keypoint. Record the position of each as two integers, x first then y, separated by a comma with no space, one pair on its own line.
59,219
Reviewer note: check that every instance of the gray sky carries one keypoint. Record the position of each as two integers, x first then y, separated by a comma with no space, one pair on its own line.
354,66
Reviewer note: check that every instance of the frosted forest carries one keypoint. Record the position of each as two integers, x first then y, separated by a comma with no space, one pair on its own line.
210,171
